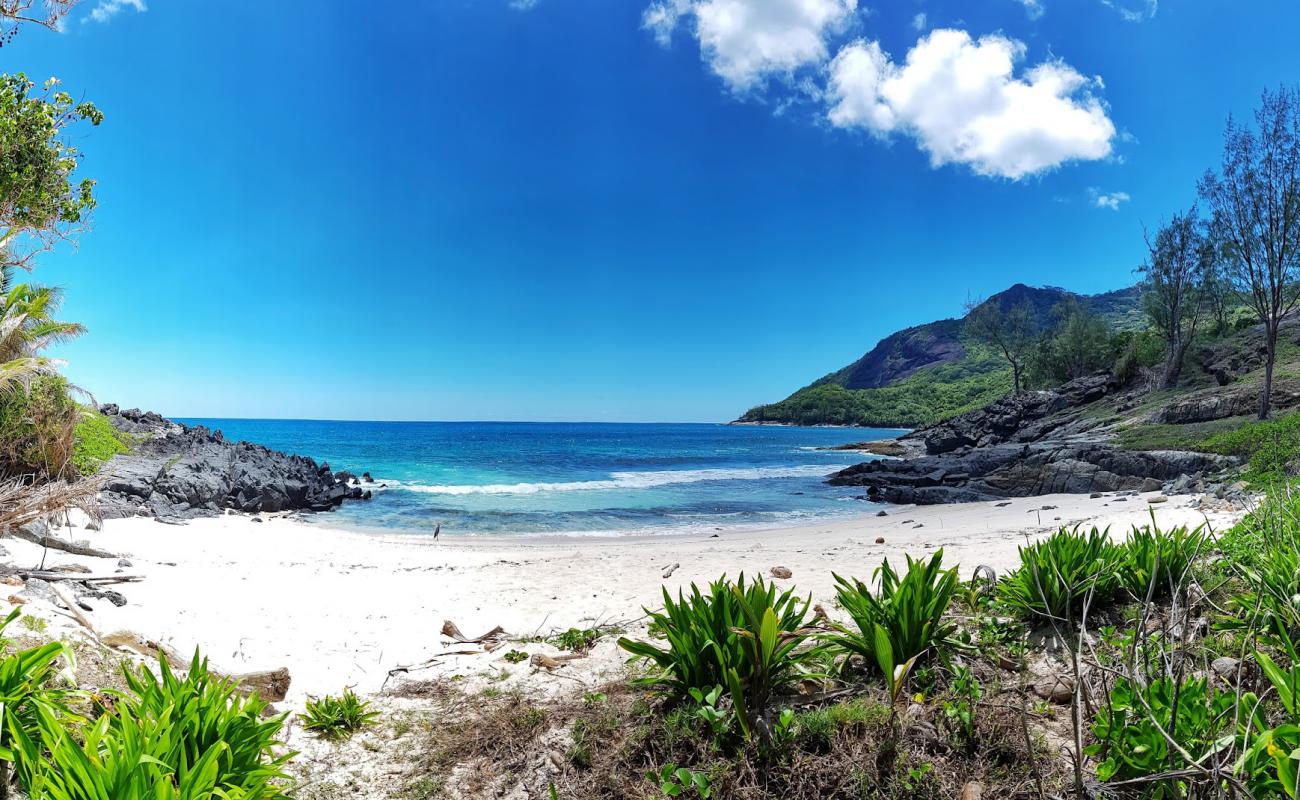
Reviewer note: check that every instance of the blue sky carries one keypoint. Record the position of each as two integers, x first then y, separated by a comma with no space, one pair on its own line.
597,210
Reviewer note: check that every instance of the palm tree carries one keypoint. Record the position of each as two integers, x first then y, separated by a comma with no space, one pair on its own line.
27,327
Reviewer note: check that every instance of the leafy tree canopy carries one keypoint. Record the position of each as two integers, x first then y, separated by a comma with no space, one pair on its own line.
41,200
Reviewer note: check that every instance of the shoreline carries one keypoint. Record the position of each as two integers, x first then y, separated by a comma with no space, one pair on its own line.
342,608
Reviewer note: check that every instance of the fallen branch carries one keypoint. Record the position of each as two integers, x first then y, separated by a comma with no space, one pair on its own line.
272,685
55,543
432,662
669,570
51,577
129,640
72,605
490,640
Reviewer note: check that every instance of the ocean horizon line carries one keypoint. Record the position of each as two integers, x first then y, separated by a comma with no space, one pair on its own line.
202,418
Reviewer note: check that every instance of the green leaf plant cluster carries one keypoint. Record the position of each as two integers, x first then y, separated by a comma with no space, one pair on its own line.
167,737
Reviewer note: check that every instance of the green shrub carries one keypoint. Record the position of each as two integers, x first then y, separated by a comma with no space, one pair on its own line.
338,717
200,713
903,621
1129,743
1268,763
165,739
36,429
1156,561
1270,447
94,442
116,758
1057,574
24,695
745,637
578,640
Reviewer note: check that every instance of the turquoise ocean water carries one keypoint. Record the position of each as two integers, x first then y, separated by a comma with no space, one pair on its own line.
573,478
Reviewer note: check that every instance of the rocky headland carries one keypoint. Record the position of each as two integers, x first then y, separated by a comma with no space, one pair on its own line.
176,472
1034,443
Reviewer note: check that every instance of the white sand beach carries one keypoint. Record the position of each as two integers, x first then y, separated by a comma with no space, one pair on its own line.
340,608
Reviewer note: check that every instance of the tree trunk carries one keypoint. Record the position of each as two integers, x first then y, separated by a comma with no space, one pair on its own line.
1173,364
1265,393
1015,376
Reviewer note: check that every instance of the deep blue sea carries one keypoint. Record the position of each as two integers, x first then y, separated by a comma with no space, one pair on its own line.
592,478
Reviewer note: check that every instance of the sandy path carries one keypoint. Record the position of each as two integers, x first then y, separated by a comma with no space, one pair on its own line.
341,608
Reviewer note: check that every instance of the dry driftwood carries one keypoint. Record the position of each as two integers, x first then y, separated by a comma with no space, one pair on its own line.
272,685
22,502
129,640
670,569
490,640
74,607
55,543
52,576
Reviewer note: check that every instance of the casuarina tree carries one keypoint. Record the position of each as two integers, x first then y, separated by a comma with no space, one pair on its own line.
1174,295
1254,199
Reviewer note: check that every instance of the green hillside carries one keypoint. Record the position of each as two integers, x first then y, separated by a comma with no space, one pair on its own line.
930,372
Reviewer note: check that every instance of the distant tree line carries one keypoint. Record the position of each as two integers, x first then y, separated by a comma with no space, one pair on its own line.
1234,254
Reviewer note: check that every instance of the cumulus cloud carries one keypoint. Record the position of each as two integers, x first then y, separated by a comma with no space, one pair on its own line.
1110,200
918,22
963,103
746,42
1134,10
107,9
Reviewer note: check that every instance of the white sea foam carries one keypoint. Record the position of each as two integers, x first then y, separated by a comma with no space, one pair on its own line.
629,480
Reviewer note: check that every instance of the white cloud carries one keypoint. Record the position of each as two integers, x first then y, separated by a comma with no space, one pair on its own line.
745,42
963,103
1134,10
107,9
1109,200
1034,8
918,22
523,5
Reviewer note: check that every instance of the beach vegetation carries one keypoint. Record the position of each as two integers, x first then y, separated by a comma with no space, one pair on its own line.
37,429
902,622
578,640
339,716
1059,575
95,441
744,636
1156,562
1271,448
162,737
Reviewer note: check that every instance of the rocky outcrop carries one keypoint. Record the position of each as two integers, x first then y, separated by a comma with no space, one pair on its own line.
1231,358
1021,470
177,472
1024,417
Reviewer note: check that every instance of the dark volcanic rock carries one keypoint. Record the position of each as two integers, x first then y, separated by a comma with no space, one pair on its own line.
1025,417
176,471
1229,359
1220,404
1023,470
